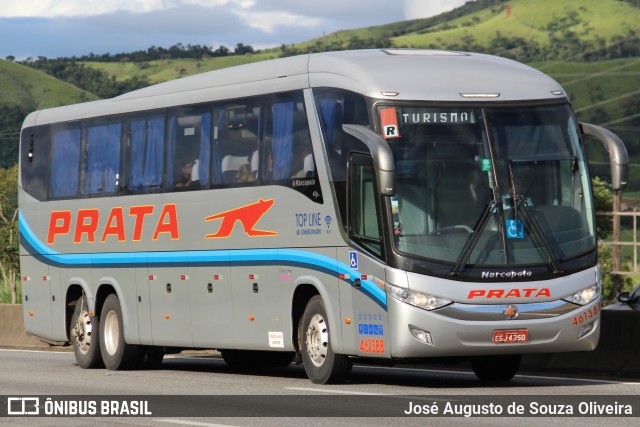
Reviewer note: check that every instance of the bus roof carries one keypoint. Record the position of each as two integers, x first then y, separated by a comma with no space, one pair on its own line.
399,74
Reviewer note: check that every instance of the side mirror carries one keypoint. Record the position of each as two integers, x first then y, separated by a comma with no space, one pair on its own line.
624,297
381,155
618,157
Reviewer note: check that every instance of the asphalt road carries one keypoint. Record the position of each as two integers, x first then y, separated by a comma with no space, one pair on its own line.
370,388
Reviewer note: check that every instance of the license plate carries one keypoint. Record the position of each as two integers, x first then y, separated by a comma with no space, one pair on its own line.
510,337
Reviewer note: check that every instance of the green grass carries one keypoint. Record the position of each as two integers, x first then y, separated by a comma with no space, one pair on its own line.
21,85
5,294
531,20
169,69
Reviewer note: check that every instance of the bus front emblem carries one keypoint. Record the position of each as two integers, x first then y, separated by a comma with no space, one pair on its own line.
510,311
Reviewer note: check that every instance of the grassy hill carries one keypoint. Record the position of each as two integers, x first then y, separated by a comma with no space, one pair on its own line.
25,87
560,38
169,69
535,21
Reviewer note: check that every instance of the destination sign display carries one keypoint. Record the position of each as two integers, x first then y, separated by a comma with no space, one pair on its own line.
429,116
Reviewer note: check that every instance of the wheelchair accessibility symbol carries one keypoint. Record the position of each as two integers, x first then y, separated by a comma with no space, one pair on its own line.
353,259
515,230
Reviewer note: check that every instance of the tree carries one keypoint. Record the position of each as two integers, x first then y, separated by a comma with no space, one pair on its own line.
611,283
603,198
242,49
9,252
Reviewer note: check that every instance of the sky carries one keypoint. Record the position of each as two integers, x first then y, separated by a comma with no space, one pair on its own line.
66,28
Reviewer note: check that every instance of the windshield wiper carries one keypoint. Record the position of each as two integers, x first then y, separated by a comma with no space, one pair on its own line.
538,234
473,239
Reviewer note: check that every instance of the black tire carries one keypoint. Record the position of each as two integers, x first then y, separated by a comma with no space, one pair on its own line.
84,334
321,364
496,368
257,358
116,353
151,358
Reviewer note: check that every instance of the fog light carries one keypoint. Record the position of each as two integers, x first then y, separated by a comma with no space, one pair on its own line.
423,336
586,329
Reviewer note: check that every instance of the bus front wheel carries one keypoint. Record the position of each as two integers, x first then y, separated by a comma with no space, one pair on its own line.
321,364
116,353
496,368
84,335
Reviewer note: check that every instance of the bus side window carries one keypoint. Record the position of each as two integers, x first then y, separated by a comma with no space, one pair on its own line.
236,143
34,161
65,162
146,141
289,158
103,159
189,148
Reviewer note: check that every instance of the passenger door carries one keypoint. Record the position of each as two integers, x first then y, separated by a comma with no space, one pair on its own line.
364,301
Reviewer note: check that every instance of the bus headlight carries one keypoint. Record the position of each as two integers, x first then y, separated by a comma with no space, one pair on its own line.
584,296
417,299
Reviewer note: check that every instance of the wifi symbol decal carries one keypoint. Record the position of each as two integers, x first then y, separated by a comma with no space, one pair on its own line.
327,219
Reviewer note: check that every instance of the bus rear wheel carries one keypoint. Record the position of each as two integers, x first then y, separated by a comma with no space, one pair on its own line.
84,335
321,364
116,353
496,368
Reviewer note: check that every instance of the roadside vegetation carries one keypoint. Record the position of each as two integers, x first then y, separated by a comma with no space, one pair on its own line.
592,47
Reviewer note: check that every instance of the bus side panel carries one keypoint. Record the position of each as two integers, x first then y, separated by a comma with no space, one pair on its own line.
170,311
212,306
364,305
143,299
260,310
58,314
36,297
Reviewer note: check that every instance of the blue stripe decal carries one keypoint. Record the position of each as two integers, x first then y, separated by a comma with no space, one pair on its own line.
228,257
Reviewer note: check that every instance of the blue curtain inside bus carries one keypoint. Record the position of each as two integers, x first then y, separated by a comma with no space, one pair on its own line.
171,150
65,163
205,149
103,158
147,139
282,139
217,156
331,118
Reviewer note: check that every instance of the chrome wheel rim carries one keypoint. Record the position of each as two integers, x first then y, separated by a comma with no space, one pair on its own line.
317,340
111,332
82,332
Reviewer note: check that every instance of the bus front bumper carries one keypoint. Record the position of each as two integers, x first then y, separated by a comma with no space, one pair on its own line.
417,333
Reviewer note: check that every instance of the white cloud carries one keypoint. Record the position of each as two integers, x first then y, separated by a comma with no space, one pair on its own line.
55,28
57,8
414,9
268,21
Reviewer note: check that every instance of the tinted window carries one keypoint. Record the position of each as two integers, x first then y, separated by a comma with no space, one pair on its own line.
145,140
103,159
65,162
189,147
236,134
288,153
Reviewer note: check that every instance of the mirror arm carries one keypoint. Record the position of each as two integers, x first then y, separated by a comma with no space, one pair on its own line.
618,157
380,153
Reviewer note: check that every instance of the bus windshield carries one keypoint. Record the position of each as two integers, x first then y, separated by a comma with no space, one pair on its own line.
489,186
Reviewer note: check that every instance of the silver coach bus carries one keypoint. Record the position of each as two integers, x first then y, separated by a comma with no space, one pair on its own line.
394,204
